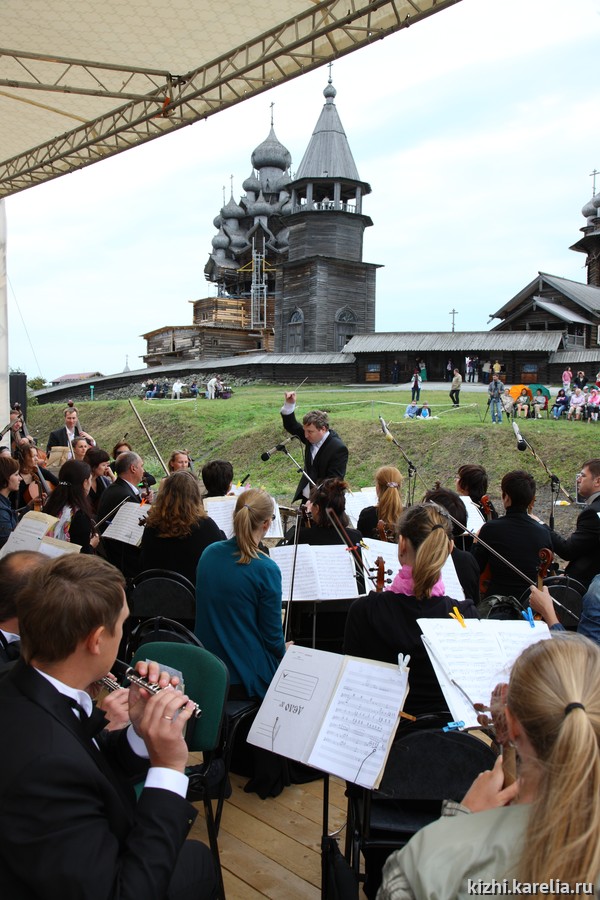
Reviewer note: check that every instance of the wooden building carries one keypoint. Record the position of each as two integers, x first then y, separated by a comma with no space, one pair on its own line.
324,292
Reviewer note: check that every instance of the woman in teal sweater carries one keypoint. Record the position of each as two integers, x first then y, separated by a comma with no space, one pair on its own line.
238,600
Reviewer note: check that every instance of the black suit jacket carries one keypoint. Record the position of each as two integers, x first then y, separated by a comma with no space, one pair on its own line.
124,556
59,438
69,824
582,548
330,461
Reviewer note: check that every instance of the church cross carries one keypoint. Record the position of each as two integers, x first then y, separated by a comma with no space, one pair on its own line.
453,312
593,175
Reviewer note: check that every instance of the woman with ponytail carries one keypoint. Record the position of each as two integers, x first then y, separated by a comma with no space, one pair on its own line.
380,626
550,832
388,487
238,600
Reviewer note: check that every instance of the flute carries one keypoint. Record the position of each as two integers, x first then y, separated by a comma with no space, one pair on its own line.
132,676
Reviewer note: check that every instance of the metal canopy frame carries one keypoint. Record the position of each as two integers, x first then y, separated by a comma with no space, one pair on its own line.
158,101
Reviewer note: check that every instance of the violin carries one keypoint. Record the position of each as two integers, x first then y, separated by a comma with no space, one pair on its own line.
381,580
386,533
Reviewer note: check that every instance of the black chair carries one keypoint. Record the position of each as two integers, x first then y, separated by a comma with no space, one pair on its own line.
158,628
425,767
159,592
567,594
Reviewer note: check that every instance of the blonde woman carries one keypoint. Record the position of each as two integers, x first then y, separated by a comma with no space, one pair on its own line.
238,599
388,487
380,626
551,829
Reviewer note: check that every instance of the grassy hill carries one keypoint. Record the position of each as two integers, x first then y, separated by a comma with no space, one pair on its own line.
241,428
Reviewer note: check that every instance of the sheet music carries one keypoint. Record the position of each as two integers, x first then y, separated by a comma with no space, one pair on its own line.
322,573
333,712
29,532
294,706
355,503
126,526
222,509
52,547
477,657
452,585
356,734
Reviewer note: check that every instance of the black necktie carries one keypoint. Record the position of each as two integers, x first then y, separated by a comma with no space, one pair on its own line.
91,725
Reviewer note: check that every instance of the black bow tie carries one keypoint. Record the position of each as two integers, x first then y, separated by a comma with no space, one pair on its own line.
93,724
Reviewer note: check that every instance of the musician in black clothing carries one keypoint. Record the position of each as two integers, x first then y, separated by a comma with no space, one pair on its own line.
516,536
465,564
15,569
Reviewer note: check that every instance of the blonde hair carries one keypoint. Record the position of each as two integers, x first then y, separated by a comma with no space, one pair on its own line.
430,533
389,481
253,507
554,692
178,505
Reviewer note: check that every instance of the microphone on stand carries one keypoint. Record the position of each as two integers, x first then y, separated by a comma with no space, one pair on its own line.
269,453
385,430
521,442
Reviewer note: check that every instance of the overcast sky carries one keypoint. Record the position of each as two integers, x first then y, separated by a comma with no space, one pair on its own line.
476,129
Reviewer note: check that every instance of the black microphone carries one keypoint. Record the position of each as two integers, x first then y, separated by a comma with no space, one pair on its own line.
521,442
269,453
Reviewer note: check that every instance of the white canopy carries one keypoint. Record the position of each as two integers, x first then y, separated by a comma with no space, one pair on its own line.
82,81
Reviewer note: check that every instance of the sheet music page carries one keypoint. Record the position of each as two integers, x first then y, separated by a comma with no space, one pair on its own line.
52,547
355,503
389,553
29,532
477,657
126,526
337,572
307,585
452,585
359,726
221,510
276,529
294,706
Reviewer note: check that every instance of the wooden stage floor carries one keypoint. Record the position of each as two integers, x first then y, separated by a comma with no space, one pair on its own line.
272,848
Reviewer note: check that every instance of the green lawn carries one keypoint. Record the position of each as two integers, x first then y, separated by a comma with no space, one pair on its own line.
241,428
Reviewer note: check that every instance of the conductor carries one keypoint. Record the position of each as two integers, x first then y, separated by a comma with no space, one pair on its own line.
325,454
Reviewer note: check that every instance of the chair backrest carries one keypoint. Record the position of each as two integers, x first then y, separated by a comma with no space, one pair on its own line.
159,592
434,765
206,681
156,629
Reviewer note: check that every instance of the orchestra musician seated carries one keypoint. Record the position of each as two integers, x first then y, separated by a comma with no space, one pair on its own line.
32,490
516,536
382,625
10,479
466,566
177,529
80,447
388,487
70,503
217,477
99,462
545,828
320,530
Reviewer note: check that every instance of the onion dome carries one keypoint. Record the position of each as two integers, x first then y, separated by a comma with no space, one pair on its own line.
329,92
252,183
591,207
271,153
217,221
220,240
232,210
261,207
238,240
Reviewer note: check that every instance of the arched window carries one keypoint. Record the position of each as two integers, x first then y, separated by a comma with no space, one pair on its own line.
295,332
344,328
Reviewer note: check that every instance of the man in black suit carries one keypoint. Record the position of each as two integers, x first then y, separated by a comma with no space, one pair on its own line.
129,469
325,454
582,548
70,430
15,570
69,824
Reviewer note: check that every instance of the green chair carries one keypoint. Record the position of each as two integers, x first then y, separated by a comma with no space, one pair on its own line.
206,680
